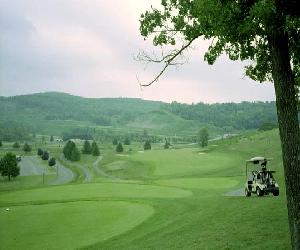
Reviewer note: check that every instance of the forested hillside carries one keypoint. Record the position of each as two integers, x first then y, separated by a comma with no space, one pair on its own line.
58,113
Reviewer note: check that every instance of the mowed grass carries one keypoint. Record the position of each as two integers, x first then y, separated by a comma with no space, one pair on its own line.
68,225
178,192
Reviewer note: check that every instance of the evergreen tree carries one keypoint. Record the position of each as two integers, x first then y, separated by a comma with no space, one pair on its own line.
147,145
40,152
203,137
45,156
87,149
27,147
167,144
52,162
115,141
16,145
9,166
51,138
67,150
127,141
95,149
75,154
119,148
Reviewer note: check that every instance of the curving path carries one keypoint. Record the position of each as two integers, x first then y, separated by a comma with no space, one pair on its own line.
88,175
65,175
31,165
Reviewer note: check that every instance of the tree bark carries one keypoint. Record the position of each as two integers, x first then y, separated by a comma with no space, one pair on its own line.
286,103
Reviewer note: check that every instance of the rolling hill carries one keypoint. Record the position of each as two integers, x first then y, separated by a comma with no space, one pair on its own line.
56,113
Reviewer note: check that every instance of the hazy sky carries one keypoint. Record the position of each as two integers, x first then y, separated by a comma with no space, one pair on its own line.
86,48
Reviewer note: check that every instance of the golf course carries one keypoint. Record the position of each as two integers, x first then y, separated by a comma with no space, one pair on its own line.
177,198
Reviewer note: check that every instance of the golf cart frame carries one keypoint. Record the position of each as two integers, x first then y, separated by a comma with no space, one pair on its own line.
260,181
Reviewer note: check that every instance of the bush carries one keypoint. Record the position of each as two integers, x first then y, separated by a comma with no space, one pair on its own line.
40,152
147,145
52,162
16,145
45,156
27,147
119,148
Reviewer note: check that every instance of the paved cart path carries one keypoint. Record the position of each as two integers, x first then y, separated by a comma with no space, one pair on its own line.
64,175
30,165
237,192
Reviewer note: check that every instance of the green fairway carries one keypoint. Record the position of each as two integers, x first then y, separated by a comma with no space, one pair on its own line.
92,191
158,199
68,225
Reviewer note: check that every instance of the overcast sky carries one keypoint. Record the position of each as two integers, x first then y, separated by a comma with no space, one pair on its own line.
86,48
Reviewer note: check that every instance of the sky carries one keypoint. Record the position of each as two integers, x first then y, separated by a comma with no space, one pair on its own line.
87,48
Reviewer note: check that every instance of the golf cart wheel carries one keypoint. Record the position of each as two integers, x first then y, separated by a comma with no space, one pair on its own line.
259,192
276,193
247,193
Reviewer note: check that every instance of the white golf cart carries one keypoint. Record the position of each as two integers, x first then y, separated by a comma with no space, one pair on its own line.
260,180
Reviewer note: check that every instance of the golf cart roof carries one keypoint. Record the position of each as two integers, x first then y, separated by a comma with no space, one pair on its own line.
258,159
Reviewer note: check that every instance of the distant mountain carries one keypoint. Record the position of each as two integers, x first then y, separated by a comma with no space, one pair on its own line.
55,113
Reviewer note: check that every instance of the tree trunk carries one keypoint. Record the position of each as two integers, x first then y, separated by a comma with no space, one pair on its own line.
286,102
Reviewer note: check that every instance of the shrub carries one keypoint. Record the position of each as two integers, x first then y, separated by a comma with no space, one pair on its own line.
119,148
40,152
52,162
45,156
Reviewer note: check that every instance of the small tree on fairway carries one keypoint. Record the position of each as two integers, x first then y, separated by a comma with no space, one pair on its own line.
126,141
119,148
87,149
45,156
95,149
147,145
203,137
27,147
9,166
51,138
0,143
115,141
16,145
40,152
52,162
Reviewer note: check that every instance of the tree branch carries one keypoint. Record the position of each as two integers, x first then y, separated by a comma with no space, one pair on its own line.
168,60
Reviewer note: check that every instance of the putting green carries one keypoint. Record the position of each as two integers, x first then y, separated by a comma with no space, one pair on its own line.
201,183
92,191
68,225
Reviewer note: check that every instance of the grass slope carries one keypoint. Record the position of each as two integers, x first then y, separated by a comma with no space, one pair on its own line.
177,196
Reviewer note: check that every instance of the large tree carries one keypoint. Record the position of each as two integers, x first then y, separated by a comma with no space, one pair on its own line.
264,32
9,166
